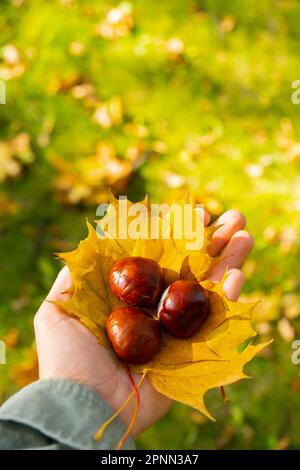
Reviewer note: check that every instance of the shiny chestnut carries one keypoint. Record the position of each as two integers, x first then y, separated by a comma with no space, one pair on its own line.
137,281
183,308
134,334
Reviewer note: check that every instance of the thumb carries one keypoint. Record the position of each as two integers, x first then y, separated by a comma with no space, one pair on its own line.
62,286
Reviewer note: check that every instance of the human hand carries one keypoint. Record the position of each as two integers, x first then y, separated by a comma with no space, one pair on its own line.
67,350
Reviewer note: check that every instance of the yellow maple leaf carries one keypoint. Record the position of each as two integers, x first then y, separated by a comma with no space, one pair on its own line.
183,369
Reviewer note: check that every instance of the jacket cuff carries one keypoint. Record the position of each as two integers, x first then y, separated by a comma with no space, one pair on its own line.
65,411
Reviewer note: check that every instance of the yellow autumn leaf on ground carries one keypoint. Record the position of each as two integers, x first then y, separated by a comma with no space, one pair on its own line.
87,178
183,369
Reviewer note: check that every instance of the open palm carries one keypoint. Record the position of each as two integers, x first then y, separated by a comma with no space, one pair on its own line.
66,349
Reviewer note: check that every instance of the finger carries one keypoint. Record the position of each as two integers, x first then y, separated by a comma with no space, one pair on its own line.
231,222
233,284
49,313
234,254
204,215
62,283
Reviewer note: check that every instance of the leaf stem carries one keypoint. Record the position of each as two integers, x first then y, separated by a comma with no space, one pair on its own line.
100,432
224,396
136,409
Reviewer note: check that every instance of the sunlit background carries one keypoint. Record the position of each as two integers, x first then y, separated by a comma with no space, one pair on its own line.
158,98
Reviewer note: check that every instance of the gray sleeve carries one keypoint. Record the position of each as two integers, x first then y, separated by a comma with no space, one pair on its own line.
57,414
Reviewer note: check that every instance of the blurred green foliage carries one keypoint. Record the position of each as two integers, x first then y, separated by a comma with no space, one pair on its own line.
167,96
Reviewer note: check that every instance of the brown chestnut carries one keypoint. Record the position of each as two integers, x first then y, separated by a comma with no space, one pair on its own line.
183,308
134,334
137,281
